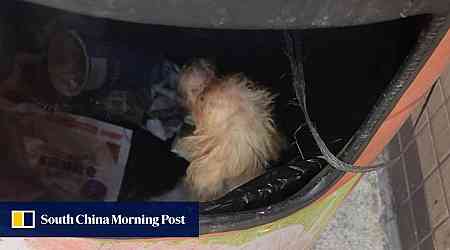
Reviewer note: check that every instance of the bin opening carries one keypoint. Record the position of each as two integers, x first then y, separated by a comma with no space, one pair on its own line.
347,70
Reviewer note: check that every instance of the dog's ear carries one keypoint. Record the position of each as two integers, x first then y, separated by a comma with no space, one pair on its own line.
194,78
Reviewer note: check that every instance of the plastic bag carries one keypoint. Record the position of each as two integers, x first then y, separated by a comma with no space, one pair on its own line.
274,186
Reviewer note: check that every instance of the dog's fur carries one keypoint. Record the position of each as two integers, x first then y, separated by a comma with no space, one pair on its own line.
235,134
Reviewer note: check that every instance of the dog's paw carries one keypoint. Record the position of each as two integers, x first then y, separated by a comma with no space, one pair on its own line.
205,182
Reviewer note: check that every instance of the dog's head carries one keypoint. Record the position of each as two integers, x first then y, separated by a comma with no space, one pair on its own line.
193,81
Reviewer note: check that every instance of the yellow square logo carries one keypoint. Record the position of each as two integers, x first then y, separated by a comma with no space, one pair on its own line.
22,219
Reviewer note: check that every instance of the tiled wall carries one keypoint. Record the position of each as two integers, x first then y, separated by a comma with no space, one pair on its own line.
421,180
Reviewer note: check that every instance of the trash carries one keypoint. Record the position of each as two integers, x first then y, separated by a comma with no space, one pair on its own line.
71,157
152,168
68,66
116,83
165,114
77,164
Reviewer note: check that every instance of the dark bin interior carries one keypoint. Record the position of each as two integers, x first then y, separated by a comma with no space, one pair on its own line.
347,70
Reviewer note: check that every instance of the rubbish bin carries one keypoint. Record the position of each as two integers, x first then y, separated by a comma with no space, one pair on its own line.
366,66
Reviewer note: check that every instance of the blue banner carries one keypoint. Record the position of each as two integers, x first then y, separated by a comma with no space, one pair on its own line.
99,219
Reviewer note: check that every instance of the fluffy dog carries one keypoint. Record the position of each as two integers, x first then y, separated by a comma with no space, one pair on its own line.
235,135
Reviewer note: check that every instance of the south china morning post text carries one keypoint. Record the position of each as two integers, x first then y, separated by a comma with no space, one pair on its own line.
115,219
99,219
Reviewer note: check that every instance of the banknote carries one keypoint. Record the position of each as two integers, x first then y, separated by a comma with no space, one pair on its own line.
70,157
